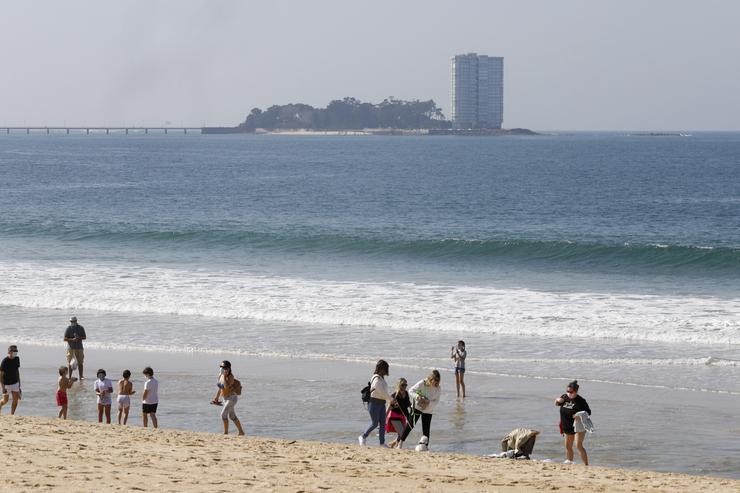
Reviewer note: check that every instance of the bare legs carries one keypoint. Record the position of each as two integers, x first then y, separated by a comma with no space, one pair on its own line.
104,408
460,382
14,404
238,425
578,439
144,417
123,413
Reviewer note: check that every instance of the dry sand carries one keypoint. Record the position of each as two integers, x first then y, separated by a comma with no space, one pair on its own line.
50,454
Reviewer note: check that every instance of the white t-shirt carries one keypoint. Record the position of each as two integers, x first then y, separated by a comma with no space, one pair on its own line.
104,385
152,385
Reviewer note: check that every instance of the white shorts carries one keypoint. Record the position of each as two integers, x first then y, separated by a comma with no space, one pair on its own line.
124,401
16,387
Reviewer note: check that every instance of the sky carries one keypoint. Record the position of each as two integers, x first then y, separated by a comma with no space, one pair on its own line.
568,65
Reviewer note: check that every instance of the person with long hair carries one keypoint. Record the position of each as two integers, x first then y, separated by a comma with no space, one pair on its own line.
378,397
425,396
571,404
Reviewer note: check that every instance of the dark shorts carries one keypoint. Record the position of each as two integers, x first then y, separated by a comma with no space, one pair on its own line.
568,427
459,370
149,408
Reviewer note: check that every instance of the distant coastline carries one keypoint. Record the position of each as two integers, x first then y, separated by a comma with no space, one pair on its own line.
370,132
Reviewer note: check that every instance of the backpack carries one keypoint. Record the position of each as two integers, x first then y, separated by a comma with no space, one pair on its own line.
236,387
365,393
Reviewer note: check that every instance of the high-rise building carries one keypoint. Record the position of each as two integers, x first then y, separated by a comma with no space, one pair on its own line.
477,91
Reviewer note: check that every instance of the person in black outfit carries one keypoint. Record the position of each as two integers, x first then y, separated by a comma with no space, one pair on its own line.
570,404
10,378
402,406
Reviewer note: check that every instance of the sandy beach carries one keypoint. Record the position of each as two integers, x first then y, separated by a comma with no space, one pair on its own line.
49,454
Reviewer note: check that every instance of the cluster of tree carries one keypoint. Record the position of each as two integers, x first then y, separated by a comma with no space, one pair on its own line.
349,114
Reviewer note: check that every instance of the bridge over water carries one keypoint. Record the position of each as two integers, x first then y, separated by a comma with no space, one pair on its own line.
96,129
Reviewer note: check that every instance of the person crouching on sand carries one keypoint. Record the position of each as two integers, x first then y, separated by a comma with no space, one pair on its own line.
125,391
378,397
229,388
64,383
425,394
571,404
104,390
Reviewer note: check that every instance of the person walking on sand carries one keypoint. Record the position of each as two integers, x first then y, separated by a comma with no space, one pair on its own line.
103,389
150,398
425,396
458,354
378,397
229,388
571,404
73,336
125,391
64,383
399,415
10,378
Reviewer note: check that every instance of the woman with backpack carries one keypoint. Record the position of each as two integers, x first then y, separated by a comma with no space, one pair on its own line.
229,388
378,397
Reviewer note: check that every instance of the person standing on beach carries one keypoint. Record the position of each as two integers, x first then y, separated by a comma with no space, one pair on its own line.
229,388
73,336
64,383
425,395
103,389
125,391
10,378
378,397
458,354
150,398
571,404
399,415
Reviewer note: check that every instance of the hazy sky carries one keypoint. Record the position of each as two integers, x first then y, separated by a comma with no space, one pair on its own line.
587,64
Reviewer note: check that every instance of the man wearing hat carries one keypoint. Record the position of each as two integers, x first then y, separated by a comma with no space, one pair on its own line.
10,378
73,336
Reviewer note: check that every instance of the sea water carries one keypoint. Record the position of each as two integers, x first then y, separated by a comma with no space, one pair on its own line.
610,258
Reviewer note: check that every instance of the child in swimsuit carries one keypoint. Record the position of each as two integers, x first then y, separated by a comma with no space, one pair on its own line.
63,383
125,391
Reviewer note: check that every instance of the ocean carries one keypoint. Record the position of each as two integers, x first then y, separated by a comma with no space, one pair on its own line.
607,257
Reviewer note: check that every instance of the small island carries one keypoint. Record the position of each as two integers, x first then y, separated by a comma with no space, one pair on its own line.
350,116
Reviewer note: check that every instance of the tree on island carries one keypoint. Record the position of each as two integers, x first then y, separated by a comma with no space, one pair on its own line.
349,114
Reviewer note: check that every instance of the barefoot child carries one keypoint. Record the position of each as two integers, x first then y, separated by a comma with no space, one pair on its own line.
103,389
63,384
125,391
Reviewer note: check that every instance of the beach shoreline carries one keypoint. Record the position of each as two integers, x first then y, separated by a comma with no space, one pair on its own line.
55,455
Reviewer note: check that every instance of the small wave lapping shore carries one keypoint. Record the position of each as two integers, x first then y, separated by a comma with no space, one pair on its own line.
50,454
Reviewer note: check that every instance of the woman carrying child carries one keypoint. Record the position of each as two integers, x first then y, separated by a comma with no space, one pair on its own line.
125,391
229,389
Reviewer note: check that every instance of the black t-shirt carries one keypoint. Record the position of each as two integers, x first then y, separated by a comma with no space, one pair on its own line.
404,404
9,368
570,407
72,331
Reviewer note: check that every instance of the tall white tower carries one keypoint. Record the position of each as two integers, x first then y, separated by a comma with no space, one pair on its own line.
477,91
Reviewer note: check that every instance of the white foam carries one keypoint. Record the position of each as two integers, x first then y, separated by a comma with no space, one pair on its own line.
396,306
